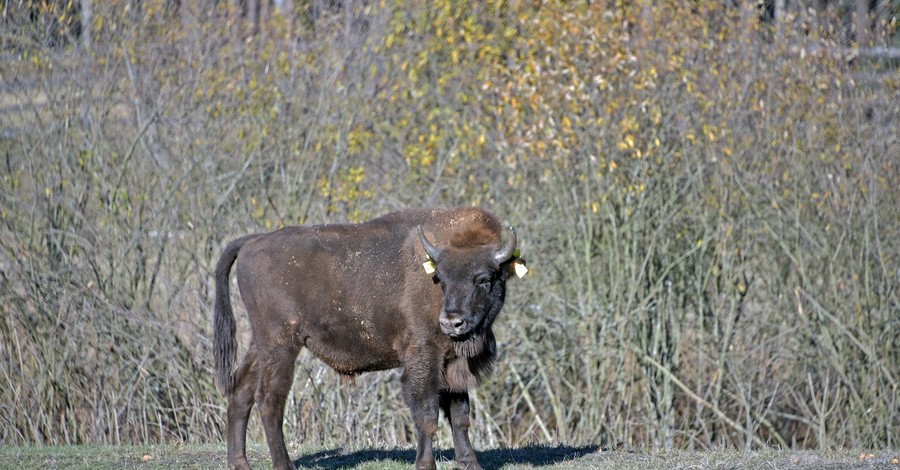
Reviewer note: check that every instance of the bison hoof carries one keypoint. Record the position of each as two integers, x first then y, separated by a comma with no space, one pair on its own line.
239,464
426,465
468,466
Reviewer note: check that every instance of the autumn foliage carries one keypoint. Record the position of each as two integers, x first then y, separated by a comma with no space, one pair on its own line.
709,211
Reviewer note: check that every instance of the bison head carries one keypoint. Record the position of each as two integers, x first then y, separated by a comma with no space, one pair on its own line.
473,279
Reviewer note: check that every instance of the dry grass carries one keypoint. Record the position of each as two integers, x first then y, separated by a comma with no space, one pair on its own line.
559,457
709,214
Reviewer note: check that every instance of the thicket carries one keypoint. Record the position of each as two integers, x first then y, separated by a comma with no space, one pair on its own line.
709,210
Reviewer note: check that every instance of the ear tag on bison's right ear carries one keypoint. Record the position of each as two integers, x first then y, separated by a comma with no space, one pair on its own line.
429,267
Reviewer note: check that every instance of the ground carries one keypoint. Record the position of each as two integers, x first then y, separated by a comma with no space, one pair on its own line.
559,457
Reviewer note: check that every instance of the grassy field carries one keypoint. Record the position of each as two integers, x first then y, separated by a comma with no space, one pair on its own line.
707,200
559,457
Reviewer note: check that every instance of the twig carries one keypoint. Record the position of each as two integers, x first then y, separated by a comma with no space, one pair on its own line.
715,409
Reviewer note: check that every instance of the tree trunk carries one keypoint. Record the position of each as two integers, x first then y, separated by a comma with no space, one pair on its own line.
815,13
86,18
780,12
748,19
883,22
863,32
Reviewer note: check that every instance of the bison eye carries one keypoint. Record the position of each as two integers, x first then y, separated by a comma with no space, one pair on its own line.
483,280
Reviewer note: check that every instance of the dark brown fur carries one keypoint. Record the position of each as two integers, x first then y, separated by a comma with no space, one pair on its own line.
358,298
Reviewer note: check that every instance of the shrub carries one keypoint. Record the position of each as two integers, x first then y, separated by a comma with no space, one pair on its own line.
708,208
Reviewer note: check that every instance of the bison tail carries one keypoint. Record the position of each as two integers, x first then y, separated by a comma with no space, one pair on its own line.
224,341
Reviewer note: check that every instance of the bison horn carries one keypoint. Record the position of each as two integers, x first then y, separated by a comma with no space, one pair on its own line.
507,251
433,252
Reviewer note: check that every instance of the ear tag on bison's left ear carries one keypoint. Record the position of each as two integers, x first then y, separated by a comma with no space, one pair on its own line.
429,267
520,268
519,264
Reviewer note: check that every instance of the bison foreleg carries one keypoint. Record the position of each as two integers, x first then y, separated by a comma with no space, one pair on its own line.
456,409
275,377
420,389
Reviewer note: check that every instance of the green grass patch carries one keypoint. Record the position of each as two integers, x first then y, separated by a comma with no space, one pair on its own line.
110,457
545,457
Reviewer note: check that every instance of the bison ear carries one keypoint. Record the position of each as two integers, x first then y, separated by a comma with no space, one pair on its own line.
514,267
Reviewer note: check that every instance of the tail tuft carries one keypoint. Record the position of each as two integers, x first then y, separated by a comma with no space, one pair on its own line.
224,341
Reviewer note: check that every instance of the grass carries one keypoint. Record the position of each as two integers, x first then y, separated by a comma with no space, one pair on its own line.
709,216
558,457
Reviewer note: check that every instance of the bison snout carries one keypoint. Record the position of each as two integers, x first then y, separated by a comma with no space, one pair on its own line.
453,325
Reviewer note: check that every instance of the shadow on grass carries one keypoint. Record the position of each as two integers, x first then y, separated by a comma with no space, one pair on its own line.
537,456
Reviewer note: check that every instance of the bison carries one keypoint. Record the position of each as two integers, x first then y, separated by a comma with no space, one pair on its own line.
359,297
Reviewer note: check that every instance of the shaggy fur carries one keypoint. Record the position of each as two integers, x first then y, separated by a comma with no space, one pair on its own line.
358,298
469,237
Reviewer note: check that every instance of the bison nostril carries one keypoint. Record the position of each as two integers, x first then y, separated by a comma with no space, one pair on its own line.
453,324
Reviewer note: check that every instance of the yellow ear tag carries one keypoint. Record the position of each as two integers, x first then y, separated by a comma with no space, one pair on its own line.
521,270
429,267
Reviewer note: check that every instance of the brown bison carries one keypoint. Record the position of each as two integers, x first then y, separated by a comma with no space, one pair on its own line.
358,297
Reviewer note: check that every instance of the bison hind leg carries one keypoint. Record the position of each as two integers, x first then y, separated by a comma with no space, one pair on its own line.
240,402
276,374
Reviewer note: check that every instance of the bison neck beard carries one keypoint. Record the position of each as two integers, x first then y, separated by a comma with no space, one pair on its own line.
478,342
469,368
481,339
